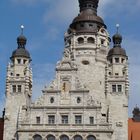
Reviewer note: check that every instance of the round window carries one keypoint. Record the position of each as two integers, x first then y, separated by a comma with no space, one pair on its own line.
85,62
78,100
52,100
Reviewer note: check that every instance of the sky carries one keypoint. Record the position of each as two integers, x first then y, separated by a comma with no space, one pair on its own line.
45,23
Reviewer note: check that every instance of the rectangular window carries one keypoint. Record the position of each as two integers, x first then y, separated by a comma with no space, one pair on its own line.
119,88
113,88
38,120
78,119
19,61
91,120
116,74
14,88
19,88
51,119
64,119
123,60
116,60
102,41
24,61
116,88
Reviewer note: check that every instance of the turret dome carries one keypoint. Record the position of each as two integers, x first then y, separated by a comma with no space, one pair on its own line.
117,49
21,50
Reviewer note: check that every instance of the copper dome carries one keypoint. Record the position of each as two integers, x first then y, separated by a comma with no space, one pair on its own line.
117,51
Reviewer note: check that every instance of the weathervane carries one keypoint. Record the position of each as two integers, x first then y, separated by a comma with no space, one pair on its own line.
22,28
117,26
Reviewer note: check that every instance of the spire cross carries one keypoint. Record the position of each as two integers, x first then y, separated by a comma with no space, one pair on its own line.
22,29
117,26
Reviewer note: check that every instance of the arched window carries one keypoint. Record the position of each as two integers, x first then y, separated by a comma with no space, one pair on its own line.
80,40
77,137
91,40
37,137
64,137
91,137
50,137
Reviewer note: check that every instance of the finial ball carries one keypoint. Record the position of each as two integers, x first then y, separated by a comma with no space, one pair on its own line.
22,26
117,25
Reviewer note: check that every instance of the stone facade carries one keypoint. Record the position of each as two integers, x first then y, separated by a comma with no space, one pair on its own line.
88,99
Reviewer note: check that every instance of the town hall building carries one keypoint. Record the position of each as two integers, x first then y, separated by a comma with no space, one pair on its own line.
88,98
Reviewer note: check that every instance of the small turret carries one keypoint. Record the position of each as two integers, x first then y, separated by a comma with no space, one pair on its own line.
117,49
18,86
21,50
136,114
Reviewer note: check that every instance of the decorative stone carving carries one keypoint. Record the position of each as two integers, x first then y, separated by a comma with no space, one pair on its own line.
52,85
39,101
91,102
66,53
78,84
119,124
66,64
109,135
7,117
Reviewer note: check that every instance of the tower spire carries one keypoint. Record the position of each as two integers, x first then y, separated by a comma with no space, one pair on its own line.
89,5
21,40
117,38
